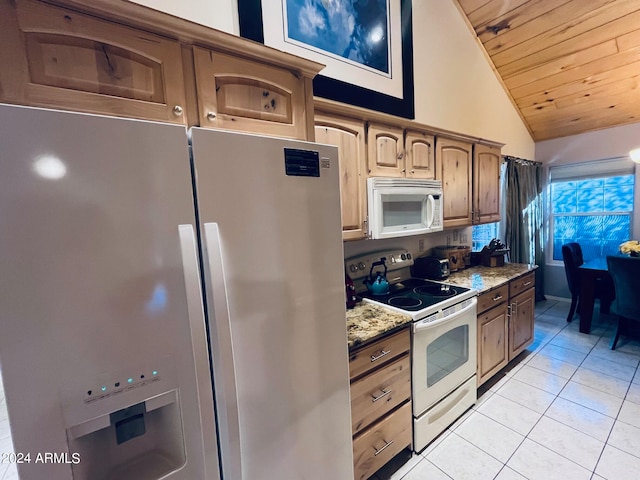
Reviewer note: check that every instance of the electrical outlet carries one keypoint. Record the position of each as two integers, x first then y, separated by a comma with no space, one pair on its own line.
421,245
455,235
464,238
448,240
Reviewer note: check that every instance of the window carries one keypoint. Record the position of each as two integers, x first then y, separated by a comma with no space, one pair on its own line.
481,235
595,210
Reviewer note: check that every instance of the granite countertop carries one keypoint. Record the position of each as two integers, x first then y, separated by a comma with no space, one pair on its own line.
366,322
485,278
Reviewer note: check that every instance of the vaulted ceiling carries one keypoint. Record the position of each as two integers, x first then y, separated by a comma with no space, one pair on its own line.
570,66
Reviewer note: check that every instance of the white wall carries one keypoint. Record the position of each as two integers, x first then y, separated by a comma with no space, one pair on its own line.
602,144
218,14
455,87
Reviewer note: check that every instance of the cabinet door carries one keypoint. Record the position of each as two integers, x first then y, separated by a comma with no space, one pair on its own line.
385,151
420,155
239,94
521,322
54,57
493,339
348,136
454,159
486,184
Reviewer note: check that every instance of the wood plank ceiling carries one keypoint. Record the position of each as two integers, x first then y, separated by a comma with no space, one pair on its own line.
570,66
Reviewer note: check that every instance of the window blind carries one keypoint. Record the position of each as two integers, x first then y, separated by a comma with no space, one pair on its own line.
611,167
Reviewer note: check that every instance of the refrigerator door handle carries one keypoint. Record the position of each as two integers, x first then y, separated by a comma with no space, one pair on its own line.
222,354
191,270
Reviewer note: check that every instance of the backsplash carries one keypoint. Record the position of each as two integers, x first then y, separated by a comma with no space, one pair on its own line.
458,236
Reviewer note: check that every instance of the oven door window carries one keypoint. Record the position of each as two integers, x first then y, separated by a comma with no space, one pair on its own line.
447,353
403,210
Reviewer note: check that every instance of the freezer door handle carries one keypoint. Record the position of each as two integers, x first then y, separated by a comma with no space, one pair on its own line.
222,353
191,270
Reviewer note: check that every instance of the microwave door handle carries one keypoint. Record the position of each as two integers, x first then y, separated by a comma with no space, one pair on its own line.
432,210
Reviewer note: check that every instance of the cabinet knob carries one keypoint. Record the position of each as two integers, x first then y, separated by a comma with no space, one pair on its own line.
413,171
403,170
211,116
177,110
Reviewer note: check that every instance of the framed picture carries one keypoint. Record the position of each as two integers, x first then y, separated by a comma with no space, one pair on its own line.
366,45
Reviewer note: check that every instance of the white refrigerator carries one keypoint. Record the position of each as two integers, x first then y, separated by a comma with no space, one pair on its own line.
171,302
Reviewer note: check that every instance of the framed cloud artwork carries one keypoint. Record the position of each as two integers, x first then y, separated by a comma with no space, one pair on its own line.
366,46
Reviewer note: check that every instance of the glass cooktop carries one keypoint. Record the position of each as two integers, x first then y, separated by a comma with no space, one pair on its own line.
414,294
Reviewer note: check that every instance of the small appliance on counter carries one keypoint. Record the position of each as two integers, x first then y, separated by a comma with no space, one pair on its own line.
430,267
459,256
493,254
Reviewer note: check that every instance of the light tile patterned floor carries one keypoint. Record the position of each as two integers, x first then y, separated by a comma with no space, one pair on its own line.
7,471
567,409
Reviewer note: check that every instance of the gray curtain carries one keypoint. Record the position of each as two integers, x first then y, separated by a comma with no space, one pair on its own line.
524,235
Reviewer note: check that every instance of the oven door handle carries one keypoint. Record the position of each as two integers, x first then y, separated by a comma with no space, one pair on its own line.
422,325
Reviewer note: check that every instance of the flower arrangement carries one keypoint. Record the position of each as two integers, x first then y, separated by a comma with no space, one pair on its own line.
632,247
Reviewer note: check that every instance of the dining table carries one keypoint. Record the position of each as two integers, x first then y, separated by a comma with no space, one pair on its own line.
590,272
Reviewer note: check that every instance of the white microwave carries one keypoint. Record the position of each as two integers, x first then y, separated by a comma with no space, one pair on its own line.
399,207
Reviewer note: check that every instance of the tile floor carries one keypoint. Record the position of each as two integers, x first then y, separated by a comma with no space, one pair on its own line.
569,410
7,471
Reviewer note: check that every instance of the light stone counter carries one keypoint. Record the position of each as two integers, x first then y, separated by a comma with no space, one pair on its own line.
485,278
366,322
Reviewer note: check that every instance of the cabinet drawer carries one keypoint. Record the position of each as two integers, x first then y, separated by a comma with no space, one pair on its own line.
380,392
380,443
378,353
493,298
519,285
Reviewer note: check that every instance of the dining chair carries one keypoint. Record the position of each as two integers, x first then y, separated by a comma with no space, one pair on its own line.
604,290
625,272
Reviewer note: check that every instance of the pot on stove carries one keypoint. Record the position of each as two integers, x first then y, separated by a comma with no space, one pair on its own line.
377,282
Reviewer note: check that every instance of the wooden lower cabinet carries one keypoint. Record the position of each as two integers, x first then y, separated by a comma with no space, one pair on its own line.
381,442
380,402
505,324
380,392
493,338
521,322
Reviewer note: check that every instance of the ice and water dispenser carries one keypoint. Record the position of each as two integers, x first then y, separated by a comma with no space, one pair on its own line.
127,428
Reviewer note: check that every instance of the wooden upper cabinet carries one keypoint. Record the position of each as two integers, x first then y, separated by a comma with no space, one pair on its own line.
454,161
241,94
54,57
348,136
486,184
385,151
420,155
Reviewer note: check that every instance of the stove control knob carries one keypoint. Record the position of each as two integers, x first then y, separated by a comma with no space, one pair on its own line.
403,256
361,266
353,268
408,256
